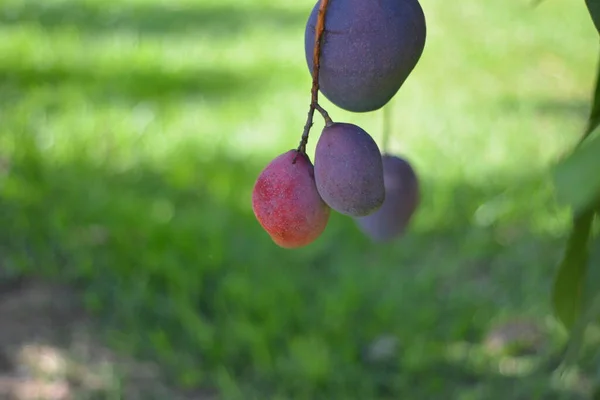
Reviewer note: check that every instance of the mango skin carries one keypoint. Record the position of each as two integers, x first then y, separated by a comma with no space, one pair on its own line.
286,203
369,49
349,170
402,198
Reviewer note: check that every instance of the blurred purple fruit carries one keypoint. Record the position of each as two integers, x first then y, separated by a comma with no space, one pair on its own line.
402,197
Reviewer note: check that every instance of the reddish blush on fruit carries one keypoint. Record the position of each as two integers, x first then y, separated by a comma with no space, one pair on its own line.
286,202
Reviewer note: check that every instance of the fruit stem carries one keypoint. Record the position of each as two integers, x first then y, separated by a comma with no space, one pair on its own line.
314,98
324,114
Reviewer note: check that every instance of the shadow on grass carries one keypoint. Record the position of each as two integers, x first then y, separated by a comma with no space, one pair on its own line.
137,82
175,267
147,18
133,84
49,350
549,107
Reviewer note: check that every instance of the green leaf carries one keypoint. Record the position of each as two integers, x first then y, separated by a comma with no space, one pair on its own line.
590,307
594,9
594,118
576,177
577,337
569,283
592,284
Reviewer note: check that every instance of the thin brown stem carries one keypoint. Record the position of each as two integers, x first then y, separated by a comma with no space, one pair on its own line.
314,98
324,114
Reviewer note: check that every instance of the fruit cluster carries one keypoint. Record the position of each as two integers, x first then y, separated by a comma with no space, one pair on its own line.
360,53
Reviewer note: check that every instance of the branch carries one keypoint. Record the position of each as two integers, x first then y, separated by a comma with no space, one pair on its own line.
314,98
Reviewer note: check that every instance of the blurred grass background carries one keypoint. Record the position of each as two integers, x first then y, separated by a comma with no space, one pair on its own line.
131,132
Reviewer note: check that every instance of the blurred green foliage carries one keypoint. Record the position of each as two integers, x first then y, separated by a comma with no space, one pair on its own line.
131,134
575,294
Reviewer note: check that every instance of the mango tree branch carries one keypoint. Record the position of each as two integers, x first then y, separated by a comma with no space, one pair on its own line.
314,101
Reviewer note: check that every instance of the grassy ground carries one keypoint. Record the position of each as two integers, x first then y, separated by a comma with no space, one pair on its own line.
131,132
